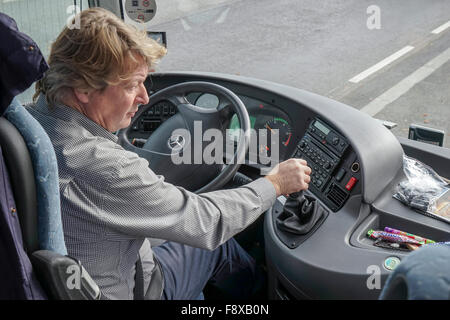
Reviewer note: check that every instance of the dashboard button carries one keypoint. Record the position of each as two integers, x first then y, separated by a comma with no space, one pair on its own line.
351,183
335,141
340,174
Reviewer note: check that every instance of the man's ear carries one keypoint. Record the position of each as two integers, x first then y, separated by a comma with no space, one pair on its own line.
82,95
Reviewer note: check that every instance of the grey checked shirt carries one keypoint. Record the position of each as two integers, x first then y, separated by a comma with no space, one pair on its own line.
112,202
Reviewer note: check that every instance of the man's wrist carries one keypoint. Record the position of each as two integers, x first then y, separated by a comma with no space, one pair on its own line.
275,183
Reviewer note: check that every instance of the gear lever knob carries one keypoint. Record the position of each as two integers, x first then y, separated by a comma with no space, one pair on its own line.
305,209
296,195
300,213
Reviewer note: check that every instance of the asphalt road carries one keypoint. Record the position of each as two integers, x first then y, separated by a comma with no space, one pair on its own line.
319,46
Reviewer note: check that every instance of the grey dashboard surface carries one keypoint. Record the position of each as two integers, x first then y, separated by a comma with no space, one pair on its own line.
377,149
336,256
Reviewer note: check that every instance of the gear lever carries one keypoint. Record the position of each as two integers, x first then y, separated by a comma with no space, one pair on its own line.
304,210
300,213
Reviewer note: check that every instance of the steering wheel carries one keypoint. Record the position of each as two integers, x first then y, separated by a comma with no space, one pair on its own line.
176,148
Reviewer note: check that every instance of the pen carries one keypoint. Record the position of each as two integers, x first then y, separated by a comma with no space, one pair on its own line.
392,237
439,243
409,235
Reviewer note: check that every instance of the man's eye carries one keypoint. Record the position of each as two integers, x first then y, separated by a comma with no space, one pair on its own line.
132,87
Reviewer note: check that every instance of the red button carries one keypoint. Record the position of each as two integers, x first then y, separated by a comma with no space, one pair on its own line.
351,183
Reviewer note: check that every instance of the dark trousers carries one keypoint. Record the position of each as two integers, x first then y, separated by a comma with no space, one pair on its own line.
187,270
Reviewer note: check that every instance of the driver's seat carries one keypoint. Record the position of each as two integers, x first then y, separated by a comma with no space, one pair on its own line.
31,193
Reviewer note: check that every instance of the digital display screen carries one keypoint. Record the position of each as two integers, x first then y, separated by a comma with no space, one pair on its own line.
150,125
321,127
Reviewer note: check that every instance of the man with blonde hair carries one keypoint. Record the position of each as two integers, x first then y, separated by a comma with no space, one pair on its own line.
111,201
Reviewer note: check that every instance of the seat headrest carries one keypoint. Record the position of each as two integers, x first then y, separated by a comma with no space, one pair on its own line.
21,61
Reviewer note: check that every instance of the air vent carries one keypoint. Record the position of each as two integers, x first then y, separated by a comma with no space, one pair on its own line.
337,195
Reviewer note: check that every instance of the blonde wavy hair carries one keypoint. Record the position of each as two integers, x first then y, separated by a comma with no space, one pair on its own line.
103,51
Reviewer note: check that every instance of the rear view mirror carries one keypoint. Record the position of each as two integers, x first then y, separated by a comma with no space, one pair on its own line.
427,135
158,36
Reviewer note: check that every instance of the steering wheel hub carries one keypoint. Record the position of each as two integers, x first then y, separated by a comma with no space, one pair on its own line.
176,142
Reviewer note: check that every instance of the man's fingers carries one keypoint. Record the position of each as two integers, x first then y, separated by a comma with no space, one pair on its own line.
307,179
303,162
308,170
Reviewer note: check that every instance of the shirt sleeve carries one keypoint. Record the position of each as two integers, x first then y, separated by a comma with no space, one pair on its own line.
140,203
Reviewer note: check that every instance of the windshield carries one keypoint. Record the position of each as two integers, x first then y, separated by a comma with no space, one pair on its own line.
389,59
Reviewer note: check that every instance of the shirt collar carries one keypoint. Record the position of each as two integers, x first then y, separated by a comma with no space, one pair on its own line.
69,114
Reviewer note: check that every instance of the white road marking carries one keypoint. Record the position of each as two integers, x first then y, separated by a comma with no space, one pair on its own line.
223,16
381,64
441,28
406,84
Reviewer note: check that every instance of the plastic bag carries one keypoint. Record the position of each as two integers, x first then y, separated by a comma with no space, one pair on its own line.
424,190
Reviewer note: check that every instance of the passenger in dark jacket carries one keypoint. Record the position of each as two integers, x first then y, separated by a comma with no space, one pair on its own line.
21,61
21,64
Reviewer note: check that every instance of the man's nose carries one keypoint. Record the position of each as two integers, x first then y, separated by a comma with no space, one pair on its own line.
143,95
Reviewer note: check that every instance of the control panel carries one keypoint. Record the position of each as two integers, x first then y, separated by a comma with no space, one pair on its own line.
149,121
328,137
325,149
321,162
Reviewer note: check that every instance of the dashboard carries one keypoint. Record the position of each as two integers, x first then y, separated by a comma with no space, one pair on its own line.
265,118
356,165
334,164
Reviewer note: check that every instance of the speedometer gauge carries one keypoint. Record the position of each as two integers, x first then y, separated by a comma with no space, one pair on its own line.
283,138
284,130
